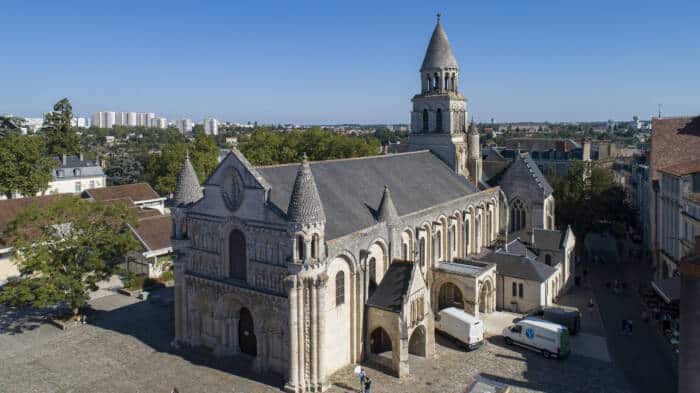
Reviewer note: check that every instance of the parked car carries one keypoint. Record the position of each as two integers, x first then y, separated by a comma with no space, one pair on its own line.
566,316
548,338
465,329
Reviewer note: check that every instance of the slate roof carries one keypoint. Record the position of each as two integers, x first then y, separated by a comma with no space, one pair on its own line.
517,247
76,168
187,188
519,266
548,239
154,232
351,189
439,53
537,174
136,192
305,203
393,287
674,141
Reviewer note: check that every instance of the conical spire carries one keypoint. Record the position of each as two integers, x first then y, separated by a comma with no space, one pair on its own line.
305,204
387,211
472,128
187,188
439,53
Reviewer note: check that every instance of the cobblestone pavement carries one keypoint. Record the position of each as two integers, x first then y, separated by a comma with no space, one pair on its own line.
125,348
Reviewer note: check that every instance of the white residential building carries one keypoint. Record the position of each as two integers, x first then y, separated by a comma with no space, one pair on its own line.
211,126
159,122
82,122
104,119
132,119
185,125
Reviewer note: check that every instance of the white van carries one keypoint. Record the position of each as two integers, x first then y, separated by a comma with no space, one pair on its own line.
546,337
465,328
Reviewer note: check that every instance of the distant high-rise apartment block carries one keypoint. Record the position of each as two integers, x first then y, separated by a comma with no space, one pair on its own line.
82,122
132,119
185,125
104,119
211,126
158,122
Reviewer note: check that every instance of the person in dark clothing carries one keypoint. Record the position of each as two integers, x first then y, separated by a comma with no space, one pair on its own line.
368,384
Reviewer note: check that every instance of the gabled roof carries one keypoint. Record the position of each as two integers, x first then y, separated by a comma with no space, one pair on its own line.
517,247
136,192
390,293
519,266
439,53
351,189
548,239
674,141
523,169
154,232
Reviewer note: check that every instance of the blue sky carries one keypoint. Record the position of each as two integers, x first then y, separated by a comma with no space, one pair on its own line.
355,61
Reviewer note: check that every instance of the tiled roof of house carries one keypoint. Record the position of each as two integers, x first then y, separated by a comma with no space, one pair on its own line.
683,168
154,232
73,167
136,192
674,141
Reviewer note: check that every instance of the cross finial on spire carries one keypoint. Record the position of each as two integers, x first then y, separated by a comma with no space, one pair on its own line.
438,16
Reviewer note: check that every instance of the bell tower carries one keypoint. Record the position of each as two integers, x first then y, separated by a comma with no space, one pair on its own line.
439,116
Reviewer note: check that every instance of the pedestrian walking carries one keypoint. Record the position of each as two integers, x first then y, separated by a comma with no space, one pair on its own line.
363,378
368,384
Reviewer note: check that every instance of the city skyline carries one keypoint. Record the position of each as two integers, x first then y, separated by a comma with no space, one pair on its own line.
331,65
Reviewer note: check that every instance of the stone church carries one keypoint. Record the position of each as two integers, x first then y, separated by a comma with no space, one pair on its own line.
306,268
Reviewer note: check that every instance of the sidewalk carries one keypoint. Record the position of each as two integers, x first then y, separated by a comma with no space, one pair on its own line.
640,355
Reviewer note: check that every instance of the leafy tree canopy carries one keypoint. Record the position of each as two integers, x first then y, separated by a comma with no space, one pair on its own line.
24,168
64,249
60,136
163,170
124,169
10,125
590,200
266,147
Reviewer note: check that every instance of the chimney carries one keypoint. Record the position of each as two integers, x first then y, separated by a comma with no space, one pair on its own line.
64,159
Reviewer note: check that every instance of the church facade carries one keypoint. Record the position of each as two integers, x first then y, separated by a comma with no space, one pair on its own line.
306,268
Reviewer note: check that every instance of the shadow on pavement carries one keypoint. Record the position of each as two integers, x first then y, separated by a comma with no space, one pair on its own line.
152,322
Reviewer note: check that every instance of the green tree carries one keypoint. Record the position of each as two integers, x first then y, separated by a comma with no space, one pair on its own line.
60,136
10,125
162,171
124,169
24,168
64,249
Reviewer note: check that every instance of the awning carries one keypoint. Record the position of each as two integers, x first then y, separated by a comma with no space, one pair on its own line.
669,289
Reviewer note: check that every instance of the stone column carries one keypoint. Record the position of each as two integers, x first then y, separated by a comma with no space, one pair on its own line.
321,348
300,334
314,333
293,381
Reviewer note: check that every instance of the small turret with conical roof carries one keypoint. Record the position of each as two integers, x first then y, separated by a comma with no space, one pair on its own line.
187,188
474,161
306,216
387,210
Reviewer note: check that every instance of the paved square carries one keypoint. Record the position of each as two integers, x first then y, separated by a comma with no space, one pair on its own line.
125,349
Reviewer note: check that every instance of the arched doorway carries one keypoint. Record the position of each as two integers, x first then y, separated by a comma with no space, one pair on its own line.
246,333
450,296
486,297
380,341
416,344
237,255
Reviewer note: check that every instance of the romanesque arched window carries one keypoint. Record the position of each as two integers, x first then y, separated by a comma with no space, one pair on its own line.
314,246
340,288
517,215
520,290
372,275
300,247
425,120
422,251
438,246
438,120
237,255
548,259
515,289
453,244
